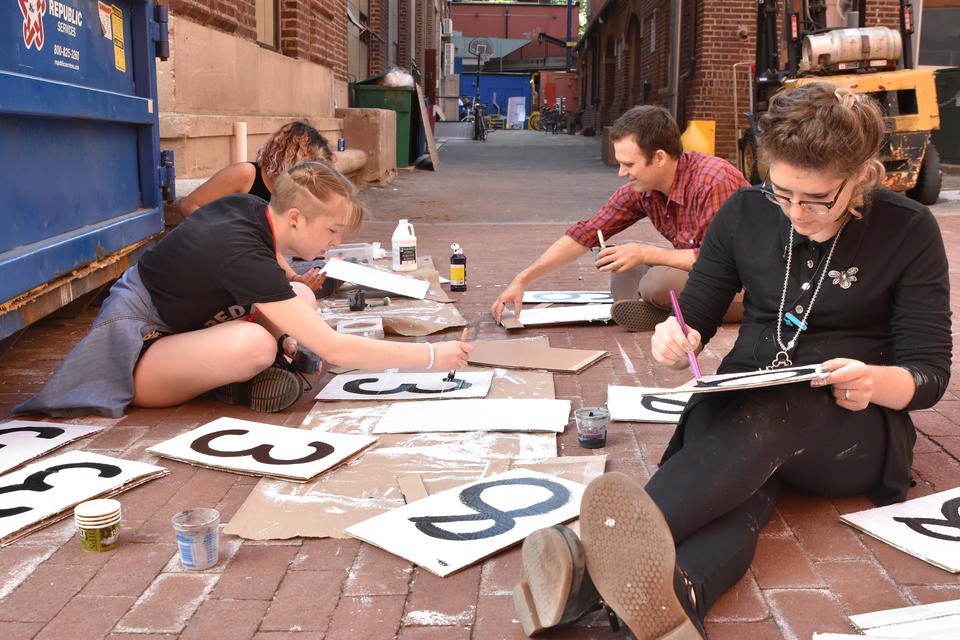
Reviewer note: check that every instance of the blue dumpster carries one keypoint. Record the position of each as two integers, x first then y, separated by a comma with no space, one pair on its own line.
81,171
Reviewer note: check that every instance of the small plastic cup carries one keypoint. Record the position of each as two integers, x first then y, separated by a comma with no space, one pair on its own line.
98,524
596,253
592,426
198,538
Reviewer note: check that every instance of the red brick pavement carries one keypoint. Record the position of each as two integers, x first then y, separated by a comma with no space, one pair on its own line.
809,574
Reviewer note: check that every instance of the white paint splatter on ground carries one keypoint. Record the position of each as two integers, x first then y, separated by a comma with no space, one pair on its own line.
22,569
437,619
179,614
626,359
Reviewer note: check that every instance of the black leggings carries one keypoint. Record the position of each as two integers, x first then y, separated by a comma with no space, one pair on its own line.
739,448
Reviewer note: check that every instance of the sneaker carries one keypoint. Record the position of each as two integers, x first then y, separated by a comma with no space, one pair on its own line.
637,315
272,390
631,558
556,588
302,361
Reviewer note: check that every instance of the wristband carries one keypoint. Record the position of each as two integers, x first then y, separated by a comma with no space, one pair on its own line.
432,354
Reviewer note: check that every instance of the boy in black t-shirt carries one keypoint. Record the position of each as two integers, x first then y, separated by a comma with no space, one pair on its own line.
204,309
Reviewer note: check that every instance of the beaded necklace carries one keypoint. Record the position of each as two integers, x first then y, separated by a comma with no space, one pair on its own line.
782,359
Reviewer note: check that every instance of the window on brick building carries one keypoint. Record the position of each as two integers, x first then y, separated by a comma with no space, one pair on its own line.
652,20
266,13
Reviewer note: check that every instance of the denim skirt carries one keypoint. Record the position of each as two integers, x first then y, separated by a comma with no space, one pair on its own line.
96,377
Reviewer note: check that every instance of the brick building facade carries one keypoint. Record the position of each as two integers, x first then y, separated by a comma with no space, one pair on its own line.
624,60
265,62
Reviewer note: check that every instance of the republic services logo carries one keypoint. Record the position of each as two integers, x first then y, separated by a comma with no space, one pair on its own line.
33,12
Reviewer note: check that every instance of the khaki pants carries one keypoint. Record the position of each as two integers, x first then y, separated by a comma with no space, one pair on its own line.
652,283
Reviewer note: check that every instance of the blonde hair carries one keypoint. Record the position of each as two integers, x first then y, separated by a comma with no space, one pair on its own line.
294,142
296,186
820,126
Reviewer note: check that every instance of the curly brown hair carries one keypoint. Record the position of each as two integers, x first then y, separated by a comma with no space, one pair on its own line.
824,127
294,142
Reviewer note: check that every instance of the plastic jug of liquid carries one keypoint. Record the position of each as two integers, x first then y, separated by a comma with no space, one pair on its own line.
404,242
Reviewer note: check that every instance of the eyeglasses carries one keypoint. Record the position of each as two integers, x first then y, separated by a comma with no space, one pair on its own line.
812,206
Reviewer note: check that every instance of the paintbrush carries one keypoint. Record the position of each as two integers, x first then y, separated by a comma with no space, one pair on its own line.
452,374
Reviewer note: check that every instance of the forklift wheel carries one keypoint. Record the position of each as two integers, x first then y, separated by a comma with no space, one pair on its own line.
927,189
749,161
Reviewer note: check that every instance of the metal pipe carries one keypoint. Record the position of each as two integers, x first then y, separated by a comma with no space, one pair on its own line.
674,65
566,45
736,110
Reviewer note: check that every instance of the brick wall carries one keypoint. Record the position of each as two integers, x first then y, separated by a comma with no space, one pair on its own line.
716,34
314,30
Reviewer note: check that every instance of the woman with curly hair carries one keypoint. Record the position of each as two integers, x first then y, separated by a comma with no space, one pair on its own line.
838,272
293,143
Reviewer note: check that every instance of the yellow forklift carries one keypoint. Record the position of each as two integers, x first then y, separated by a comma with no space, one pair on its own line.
876,61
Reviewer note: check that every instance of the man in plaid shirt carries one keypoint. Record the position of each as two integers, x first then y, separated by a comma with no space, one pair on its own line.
680,191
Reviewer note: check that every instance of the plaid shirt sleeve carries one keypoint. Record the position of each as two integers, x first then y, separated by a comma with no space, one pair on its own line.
621,210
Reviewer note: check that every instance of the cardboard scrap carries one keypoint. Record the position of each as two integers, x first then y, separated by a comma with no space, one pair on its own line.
924,527
940,620
510,414
403,317
456,528
258,449
376,278
393,385
367,485
47,491
24,440
526,354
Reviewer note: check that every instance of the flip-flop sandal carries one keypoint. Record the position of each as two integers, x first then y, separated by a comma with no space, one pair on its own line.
556,588
631,558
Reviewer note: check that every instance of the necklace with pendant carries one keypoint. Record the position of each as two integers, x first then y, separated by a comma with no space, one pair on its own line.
782,359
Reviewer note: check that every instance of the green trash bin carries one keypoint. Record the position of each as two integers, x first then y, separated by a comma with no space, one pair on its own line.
398,99
947,138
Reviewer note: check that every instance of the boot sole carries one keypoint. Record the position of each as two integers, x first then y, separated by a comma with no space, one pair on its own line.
637,315
548,568
631,558
274,390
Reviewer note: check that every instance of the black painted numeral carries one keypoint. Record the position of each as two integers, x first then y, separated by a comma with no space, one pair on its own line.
37,481
260,453
503,521
46,433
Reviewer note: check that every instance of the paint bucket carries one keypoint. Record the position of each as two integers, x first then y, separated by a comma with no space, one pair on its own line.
198,537
98,524
592,426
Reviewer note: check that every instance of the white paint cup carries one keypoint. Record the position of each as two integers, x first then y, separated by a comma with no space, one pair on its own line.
198,537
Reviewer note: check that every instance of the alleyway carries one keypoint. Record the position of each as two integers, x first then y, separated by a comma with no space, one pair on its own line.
503,201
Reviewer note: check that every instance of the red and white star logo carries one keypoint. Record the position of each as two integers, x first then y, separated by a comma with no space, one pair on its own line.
33,12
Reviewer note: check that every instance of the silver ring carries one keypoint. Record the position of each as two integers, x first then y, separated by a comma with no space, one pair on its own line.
846,395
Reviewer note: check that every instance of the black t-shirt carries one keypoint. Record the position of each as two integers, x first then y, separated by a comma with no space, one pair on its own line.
215,265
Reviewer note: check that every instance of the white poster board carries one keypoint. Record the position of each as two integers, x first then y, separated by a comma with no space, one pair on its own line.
927,527
394,385
748,380
511,414
47,491
257,449
565,315
630,405
24,440
568,297
939,620
453,529
376,279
